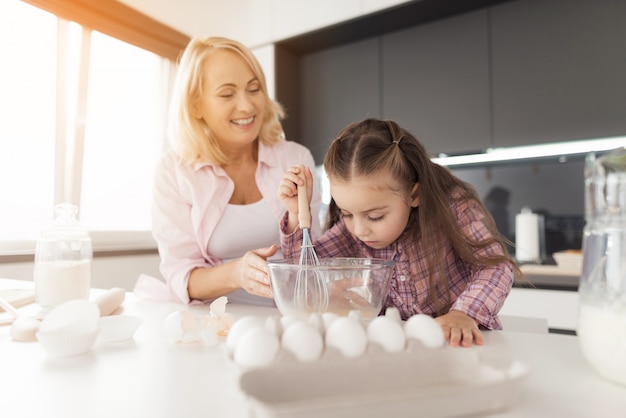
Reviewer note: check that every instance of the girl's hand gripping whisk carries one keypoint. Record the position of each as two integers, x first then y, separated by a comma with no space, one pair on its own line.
311,292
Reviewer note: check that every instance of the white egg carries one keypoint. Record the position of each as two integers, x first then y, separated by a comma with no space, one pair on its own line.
394,313
257,347
287,320
356,315
328,318
316,320
273,324
388,333
348,336
304,341
239,328
425,329
181,327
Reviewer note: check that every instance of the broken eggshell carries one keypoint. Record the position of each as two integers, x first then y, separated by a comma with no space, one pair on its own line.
186,327
181,327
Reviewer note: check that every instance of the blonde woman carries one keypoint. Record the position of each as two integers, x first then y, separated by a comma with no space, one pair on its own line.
215,207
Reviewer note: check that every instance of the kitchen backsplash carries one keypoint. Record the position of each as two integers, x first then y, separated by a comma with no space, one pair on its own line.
553,189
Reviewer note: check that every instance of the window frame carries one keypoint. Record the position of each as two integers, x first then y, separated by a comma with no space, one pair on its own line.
119,21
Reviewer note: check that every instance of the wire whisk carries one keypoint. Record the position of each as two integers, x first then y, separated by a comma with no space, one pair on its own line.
311,291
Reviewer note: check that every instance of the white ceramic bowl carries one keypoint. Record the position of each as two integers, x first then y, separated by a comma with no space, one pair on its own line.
354,284
70,328
61,344
116,328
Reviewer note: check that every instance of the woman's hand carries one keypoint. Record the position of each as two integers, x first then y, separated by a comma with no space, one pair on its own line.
252,271
459,329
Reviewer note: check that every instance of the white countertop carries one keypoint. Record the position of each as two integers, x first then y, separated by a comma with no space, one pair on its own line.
149,377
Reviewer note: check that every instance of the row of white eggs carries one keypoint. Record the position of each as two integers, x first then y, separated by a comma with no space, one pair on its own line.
254,342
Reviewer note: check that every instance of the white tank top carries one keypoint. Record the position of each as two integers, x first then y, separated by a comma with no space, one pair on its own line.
241,229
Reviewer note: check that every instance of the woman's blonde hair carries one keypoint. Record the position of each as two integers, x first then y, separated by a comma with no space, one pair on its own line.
190,137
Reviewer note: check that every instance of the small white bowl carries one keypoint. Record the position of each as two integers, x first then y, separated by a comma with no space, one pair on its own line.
118,328
568,260
70,328
77,316
61,344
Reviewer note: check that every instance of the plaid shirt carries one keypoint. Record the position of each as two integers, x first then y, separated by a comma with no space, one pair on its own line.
477,291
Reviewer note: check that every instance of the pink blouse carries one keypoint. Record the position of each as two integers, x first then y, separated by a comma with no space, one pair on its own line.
188,202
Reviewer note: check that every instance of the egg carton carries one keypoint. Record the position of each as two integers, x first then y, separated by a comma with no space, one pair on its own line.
437,382
434,378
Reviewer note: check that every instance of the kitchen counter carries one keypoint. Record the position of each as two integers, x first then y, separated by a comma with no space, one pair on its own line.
549,277
149,377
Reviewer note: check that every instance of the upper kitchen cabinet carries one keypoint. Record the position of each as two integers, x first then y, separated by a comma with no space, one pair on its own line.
337,86
558,69
436,82
424,63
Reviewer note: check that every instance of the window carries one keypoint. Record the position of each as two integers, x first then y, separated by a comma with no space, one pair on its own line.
82,120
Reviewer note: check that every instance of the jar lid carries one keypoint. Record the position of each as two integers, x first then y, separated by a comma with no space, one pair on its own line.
65,224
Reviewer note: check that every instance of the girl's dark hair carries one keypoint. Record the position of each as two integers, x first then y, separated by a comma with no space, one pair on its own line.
381,146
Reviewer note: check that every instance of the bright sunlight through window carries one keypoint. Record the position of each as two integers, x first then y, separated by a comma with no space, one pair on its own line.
110,98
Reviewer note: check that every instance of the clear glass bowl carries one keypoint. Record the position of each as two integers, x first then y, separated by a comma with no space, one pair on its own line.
353,284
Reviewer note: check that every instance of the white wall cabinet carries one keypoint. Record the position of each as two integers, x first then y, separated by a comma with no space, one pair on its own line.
256,22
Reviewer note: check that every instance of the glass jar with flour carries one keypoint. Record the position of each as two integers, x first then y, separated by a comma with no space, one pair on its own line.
602,314
63,260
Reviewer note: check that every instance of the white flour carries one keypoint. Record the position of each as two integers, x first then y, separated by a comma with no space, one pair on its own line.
602,334
57,282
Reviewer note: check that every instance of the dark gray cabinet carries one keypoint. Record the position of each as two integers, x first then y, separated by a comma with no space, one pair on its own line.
513,73
435,82
338,86
558,70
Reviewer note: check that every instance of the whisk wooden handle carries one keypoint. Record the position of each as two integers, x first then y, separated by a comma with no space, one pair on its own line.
304,211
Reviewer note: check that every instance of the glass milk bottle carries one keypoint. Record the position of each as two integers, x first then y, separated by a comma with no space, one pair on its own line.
63,260
602,313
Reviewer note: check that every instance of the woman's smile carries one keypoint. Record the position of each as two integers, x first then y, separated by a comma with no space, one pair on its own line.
243,122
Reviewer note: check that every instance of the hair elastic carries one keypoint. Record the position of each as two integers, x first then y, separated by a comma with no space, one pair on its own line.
392,131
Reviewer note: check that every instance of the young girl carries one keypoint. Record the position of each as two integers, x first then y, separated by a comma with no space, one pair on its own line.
390,201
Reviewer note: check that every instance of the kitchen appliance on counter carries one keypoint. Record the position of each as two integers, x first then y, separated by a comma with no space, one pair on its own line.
530,238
